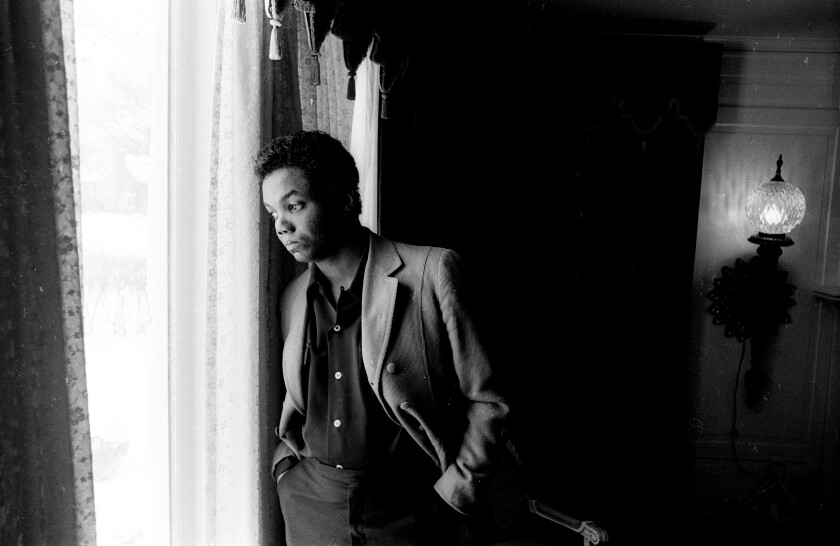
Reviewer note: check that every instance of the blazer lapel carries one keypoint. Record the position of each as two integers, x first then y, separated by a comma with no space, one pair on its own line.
379,296
293,347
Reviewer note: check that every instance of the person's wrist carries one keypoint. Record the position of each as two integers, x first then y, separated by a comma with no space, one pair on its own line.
282,466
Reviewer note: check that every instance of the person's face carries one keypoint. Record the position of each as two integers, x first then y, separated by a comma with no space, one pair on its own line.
306,225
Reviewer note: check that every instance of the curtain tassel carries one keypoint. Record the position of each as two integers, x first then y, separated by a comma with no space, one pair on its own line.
383,106
351,85
237,10
275,15
274,52
307,10
316,70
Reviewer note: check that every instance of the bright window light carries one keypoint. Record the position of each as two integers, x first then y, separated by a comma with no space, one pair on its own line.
121,55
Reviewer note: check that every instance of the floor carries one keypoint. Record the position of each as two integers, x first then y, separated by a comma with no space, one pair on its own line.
761,529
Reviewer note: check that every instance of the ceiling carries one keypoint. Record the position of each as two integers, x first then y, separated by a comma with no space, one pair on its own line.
800,19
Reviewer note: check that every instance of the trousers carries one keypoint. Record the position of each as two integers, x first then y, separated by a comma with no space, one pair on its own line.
327,506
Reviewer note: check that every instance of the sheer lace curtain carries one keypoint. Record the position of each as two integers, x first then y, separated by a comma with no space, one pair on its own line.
239,501
325,106
364,140
46,485
354,122
237,487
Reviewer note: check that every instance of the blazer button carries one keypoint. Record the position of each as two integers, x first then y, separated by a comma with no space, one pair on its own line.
391,368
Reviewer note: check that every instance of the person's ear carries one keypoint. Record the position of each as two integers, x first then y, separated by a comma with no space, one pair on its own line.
349,203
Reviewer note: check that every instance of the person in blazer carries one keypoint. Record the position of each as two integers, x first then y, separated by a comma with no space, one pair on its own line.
392,424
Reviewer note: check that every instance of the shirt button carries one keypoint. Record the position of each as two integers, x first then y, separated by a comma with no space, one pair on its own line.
337,423
336,328
338,375
391,367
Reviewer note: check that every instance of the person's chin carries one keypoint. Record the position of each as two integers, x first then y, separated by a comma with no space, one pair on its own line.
301,256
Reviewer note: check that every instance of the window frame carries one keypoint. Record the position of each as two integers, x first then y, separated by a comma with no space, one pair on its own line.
191,43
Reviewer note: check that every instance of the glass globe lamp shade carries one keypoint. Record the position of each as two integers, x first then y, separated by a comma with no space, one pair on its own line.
776,207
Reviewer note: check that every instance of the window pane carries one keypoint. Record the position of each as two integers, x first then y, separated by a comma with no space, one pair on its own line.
123,268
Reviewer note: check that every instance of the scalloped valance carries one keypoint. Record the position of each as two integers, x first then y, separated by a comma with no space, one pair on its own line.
642,78
364,27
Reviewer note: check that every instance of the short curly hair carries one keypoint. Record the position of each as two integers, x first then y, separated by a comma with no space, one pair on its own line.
328,166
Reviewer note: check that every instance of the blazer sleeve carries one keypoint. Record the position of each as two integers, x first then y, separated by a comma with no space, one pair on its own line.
486,409
285,455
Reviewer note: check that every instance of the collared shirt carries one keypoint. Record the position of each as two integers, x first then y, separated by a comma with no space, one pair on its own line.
346,425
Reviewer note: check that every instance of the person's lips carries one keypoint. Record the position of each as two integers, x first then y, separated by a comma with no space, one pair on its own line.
290,245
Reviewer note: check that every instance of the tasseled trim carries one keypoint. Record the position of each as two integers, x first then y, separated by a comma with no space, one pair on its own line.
386,84
237,10
383,105
351,85
274,52
307,12
316,70
354,50
275,14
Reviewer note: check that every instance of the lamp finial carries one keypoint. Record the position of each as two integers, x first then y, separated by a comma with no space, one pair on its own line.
778,177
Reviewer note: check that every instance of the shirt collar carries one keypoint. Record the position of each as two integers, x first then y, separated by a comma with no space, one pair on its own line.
358,280
316,278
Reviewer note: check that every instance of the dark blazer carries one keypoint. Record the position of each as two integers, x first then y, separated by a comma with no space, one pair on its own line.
423,358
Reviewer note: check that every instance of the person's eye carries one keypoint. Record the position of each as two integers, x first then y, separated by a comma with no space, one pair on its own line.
272,214
295,206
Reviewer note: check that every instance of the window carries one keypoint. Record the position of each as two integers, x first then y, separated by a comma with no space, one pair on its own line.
120,54
144,76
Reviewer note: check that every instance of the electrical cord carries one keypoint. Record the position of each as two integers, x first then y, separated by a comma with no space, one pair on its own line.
734,431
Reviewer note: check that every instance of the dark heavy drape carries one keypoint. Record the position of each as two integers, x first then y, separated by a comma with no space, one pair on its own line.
46,486
296,103
566,169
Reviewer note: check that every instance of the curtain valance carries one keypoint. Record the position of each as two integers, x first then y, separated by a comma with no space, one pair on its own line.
365,27
644,80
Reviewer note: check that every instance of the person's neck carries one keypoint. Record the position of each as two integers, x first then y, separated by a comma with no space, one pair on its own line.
340,268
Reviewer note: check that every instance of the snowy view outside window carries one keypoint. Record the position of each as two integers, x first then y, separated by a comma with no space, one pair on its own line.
123,265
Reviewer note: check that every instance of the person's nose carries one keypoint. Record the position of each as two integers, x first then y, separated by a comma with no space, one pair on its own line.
282,225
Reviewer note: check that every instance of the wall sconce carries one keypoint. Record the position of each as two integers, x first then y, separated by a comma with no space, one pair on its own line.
774,209
751,300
